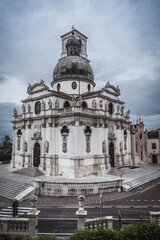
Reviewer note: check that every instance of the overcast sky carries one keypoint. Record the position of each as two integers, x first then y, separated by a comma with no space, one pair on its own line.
123,46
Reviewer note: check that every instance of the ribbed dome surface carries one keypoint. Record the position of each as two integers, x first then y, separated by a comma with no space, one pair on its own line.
73,67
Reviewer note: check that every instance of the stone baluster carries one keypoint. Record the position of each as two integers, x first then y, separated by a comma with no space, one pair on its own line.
33,218
81,213
104,225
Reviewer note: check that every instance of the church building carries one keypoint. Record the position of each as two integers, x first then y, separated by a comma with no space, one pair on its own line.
70,129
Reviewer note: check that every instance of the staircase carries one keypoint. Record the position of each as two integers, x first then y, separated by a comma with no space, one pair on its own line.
140,181
12,189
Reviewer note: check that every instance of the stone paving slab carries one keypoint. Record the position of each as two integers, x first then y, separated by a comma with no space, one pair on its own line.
127,173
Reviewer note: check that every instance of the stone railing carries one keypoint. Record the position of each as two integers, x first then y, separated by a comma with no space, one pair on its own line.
76,188
17,228
155,217
14,227
105,222
83,223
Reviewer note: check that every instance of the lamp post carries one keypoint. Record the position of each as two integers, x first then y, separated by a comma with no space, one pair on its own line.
101,205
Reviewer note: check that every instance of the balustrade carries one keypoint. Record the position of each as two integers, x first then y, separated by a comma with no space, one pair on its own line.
105,222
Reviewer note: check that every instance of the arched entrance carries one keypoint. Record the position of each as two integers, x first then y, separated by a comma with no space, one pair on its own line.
141,153
154,158
111,154
36,160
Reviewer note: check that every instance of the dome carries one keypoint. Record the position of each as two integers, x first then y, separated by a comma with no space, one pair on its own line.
73,67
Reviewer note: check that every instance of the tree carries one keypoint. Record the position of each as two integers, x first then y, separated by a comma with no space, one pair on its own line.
6,148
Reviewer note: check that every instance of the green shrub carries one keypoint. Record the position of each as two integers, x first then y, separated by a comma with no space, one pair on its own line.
98,234
140,231
82,235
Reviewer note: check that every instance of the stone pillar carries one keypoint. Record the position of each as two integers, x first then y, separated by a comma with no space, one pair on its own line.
110,222
33,218
133,144
14,147
155,217
81,213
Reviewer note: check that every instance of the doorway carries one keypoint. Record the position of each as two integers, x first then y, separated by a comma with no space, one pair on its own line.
111,154
36,161
154,158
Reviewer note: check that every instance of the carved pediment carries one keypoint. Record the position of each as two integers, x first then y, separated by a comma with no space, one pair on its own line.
111,89
37,87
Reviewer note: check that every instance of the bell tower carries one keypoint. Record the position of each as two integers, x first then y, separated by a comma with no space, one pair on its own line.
79,36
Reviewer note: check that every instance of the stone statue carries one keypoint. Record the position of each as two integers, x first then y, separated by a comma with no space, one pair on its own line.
15,112
57,103
122,110
42,82
37,131
43,105
50,103
118,109
29,87
104,146
121,146
94,104
74,101
23,108
64,144
19,143
101,104
127,113
106,107
25,146
29,107
88,149
46,146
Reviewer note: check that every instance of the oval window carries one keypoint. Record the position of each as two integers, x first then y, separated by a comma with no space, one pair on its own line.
74,85
58,87
84,104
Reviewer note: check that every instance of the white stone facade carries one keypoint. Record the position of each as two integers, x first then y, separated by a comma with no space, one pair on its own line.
72,130
154,146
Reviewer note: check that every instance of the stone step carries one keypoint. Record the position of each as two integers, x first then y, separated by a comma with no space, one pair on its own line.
25,194
140,181
11,188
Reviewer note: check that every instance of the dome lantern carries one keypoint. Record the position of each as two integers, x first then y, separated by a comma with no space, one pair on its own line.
73,46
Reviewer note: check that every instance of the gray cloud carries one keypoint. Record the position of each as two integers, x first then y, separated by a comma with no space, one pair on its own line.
6,110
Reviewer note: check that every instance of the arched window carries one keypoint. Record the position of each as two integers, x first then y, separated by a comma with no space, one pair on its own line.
64,130
19,132
88,130
84,104
110,108
37,107
66,104
125,132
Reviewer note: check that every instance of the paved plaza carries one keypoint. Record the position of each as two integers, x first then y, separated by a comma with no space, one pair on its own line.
128,175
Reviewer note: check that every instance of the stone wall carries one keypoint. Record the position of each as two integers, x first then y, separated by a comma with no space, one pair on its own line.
74,189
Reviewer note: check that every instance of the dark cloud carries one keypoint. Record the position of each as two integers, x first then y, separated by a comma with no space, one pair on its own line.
6,110
3,78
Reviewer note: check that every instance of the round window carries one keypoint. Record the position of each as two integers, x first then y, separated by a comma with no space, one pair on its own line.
74,85
58,87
